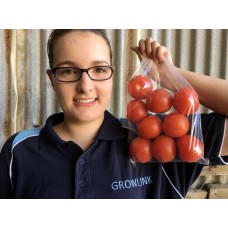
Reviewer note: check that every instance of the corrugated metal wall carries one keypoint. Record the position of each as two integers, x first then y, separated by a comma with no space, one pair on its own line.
26,96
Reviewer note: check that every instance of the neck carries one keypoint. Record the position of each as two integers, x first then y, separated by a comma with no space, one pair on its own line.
83,133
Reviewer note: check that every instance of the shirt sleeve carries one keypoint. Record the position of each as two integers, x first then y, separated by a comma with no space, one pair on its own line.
213,129
5,181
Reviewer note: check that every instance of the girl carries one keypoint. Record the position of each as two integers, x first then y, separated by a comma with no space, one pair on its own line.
83,151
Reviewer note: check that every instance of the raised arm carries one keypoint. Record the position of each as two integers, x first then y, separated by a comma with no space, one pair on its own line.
212,92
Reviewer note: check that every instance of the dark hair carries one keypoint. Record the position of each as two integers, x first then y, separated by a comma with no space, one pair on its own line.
57,33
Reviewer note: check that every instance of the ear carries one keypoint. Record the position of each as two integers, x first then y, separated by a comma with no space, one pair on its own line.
49,73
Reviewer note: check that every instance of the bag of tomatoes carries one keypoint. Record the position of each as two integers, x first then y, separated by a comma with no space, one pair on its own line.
164,111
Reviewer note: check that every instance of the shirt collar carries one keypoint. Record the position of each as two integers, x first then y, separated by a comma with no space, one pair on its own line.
110,129
48,135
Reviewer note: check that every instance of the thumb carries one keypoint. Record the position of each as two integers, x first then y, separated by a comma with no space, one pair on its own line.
137,51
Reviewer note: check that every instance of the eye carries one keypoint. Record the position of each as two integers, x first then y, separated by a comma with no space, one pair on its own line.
100,69
63,72
68,71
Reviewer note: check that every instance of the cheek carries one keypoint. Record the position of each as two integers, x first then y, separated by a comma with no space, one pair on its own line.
63,92
106,91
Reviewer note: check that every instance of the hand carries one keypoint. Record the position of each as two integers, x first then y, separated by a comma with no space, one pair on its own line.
153,50
162,71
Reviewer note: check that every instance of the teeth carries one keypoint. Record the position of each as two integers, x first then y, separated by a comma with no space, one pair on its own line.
86,101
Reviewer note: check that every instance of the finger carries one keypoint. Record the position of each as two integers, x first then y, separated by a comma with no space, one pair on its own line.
162,53
142,47
137,51
154,47
148,50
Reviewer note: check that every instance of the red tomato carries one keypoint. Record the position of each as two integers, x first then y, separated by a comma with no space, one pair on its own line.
159,101
139,86
136,111
150,127
186,101
141,150
175,125
164,148
190,148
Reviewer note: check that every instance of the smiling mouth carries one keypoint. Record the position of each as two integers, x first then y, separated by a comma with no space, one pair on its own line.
85,101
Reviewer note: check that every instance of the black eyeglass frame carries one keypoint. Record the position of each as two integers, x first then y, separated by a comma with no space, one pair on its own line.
53,70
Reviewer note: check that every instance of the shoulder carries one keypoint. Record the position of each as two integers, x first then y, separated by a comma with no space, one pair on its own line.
14,140
125,123
22,135
213,125
212,118
213,129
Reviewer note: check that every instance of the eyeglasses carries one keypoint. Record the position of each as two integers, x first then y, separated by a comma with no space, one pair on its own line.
73,74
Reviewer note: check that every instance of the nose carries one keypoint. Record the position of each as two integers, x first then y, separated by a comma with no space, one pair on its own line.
85,84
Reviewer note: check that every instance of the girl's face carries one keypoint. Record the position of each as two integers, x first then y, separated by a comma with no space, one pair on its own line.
84,100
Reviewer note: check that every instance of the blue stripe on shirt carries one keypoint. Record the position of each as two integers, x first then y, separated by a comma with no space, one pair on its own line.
25,134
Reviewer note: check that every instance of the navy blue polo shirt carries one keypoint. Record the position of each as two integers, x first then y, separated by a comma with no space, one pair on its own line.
38,164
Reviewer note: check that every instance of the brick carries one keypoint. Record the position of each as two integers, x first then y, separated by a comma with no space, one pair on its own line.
217,191
197,194
215,170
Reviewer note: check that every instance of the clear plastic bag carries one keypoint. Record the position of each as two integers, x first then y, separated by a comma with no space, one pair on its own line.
163,114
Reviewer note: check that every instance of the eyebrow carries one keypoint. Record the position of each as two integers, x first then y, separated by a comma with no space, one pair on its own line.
94,63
